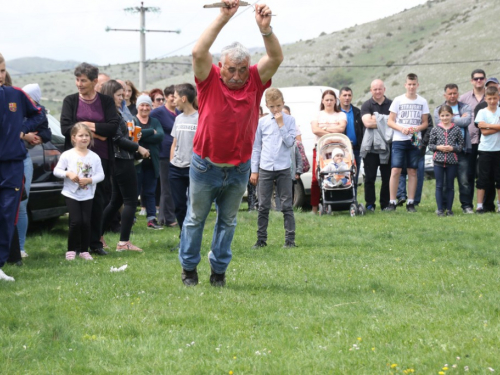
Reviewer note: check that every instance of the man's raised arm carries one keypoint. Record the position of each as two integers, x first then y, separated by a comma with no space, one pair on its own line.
202,59
269,63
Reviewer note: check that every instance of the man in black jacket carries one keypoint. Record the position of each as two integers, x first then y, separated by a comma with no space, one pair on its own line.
99,113
354,128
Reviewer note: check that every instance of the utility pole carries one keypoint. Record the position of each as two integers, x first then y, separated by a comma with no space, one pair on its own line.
142,30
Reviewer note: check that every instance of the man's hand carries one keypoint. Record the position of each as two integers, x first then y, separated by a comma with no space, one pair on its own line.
72,176
232,8
254,178
278,116
263,18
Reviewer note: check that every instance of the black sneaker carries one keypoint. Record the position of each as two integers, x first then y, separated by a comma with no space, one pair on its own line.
289,244
189,278
480,211
449,213
468,210
259,243
217,279
99,251
390,207
153,224
401,201
410,207
440,212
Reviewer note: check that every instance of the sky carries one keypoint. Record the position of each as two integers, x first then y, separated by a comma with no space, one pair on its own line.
76,30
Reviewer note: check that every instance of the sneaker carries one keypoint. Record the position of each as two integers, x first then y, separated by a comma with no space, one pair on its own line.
86,255
104,244
498,209
480,211
142,212
216,279
468,210
189,278
411,208
440,213
401,201
153,224
370,208
127,246
289,244
24,254
390,207
5,277
259,243
70,255
449,213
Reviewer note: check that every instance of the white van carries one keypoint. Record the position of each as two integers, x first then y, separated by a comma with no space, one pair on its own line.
304,103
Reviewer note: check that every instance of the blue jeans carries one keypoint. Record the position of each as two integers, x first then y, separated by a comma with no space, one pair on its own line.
404,154
209,183
147,181
420,182
447,174
22,221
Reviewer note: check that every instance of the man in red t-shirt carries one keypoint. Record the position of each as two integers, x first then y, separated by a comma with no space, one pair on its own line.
229,96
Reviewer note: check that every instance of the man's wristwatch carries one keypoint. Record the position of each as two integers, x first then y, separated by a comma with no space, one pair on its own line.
269,33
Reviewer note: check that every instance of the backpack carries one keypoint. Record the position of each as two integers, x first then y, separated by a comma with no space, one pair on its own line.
305,163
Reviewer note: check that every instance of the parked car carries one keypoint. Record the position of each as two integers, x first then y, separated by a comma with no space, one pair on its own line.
429,165
304,103
46,201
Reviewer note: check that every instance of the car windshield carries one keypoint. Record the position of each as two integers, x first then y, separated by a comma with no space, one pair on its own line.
55,128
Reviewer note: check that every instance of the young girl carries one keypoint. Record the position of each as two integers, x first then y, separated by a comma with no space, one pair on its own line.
445,140
81,170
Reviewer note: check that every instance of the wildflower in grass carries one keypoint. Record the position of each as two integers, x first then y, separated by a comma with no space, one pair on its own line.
441,372
359,338
234,357
373,348
394,365
230,373
466,368
491,369
445,368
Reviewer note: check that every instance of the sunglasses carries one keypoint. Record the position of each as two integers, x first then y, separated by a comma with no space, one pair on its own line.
478,78
159,99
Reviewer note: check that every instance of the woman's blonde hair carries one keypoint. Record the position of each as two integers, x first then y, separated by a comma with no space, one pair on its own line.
81,126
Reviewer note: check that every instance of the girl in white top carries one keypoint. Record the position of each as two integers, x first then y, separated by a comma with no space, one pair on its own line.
81,170
330,119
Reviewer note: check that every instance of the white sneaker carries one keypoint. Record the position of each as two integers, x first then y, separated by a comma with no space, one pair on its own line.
3,276
142,212
24,254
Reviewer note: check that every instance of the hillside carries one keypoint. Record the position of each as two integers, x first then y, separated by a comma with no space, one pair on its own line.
436,32
28,65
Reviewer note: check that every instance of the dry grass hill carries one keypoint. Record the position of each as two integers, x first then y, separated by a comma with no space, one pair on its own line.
442,41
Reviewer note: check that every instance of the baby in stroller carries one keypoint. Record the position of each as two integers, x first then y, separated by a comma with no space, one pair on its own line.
337,169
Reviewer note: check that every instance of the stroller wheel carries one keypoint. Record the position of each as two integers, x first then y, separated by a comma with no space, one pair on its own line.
353,210
361,209
329,210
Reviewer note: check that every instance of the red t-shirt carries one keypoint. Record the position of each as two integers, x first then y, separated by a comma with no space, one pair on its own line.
228,118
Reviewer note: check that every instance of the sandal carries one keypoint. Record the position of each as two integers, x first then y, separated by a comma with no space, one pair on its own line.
70,255
86,255
104,244
127,246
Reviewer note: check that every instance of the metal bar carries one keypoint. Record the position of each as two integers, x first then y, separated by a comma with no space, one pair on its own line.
224,5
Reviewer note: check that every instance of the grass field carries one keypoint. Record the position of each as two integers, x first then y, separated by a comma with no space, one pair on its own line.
388,293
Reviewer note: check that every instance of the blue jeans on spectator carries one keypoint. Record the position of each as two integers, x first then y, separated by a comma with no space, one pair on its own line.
443,174
420,182
209,183
147,180
463,182
22,221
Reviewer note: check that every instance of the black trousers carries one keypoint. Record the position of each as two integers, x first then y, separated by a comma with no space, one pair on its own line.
371,165
124,191
79,224
100,201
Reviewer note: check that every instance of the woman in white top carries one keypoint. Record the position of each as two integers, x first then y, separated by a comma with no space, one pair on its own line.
330,119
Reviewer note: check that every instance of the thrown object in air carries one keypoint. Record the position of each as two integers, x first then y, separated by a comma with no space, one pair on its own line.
224,5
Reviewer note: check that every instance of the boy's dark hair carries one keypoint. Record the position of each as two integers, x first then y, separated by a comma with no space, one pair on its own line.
450,86
187,90
445,108
88,70
478,71
169,90
345,88
412,77
491,91
287,108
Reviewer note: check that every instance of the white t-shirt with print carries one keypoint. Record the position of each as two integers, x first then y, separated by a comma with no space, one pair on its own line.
408,113
489,142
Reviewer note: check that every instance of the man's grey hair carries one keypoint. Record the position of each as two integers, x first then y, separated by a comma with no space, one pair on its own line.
237,52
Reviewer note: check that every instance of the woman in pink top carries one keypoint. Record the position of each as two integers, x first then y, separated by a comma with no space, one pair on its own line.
330,119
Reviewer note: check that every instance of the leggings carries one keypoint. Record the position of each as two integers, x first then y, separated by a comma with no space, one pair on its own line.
79,224
124,182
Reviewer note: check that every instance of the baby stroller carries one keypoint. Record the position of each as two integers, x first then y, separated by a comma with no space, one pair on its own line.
336,169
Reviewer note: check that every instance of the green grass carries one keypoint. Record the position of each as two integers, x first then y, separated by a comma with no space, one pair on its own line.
357,296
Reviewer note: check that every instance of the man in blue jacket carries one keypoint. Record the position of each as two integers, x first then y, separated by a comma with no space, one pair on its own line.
15,106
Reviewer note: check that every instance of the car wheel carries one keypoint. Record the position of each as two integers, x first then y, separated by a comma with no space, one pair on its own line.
299,198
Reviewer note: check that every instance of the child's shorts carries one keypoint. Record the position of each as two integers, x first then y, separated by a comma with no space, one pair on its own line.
488,169
404,150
